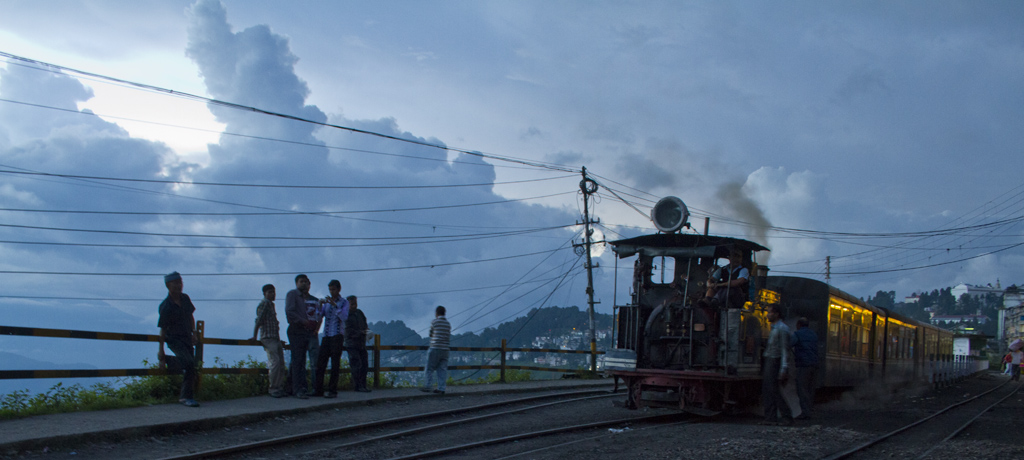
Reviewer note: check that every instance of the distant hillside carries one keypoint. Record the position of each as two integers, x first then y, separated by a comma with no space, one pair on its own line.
942,302
543,322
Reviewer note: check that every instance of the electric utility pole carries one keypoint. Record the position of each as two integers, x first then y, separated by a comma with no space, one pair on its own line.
589,187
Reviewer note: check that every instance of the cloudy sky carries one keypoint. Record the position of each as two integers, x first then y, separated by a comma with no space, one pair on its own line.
885,136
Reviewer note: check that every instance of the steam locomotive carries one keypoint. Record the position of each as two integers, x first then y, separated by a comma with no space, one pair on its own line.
673,348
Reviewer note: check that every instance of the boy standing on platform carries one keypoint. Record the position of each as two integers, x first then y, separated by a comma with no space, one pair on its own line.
437,354
266,321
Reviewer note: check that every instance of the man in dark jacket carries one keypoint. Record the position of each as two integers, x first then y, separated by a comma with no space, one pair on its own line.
356,331
300,308
805,354
177,329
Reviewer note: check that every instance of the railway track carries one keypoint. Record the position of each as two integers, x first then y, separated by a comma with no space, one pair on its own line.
923,436
354,437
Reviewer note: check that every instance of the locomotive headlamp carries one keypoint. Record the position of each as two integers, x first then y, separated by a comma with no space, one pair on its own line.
670,214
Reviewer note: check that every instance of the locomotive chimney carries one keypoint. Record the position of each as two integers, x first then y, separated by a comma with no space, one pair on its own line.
762,276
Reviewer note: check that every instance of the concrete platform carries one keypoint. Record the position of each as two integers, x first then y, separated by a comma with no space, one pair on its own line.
54,430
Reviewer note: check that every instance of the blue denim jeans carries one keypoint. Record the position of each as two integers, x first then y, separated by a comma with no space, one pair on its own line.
437,361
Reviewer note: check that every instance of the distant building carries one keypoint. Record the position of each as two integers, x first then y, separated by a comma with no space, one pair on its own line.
912,298
957,319
1011,316
975,291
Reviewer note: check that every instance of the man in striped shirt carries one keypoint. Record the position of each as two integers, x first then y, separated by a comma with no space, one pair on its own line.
437,355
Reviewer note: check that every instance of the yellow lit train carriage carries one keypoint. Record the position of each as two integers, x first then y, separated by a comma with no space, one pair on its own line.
860,342
899,361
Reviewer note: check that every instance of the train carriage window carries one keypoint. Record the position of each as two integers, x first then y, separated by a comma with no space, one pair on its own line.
663,270
844,338
894,341
834,316
865,343
879,337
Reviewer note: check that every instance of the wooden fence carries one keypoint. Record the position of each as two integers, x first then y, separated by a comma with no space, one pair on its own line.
375,350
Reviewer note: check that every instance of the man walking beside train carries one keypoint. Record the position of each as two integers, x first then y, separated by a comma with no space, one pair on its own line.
777,359
805,354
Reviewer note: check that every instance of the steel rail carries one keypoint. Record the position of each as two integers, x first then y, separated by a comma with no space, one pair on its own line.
577,441
861,447
969,422
535,434
399,434
291,439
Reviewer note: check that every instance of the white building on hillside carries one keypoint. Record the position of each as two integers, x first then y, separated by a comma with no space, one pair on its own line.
975,291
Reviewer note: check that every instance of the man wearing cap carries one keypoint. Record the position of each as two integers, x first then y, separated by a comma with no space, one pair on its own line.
177,330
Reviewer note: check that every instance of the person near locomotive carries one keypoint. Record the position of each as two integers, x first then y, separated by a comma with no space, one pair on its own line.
301,309
269,331
777,359
727,286
177,329
437,354
356,331
805,357
335,312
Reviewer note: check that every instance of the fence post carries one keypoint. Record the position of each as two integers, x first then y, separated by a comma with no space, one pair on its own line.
376,360
200,334
502,378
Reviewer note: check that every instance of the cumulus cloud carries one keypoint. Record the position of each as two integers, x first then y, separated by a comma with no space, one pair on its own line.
367,229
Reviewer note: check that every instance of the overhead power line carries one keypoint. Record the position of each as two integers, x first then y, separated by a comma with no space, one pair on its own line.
299,238
291,272
194,299
288,186
285,116
262,138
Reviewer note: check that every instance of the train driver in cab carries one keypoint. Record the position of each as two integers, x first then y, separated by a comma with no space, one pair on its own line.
727,286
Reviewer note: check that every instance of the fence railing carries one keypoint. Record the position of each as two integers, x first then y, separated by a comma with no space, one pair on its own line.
375,350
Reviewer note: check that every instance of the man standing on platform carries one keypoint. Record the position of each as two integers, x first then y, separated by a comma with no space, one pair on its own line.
805,353
335,312
177,325
356,331
266,321
437,354
301,330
